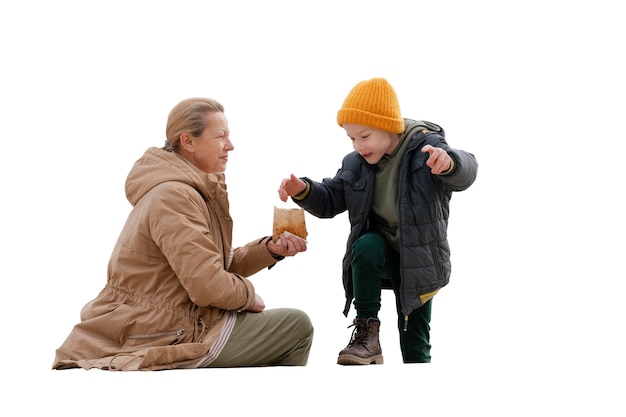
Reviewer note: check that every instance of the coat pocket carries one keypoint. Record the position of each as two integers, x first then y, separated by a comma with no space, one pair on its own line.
156,339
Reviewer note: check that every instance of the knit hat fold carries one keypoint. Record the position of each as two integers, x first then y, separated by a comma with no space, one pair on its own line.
372,103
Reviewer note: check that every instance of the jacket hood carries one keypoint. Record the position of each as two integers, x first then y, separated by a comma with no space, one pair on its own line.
157,166
411,126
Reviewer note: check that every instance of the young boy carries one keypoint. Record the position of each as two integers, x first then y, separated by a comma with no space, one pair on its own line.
396,186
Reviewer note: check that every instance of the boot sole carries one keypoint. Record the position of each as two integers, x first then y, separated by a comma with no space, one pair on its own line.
355,360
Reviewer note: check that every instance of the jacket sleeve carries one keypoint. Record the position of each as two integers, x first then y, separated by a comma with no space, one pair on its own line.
251,258
327,199
465,165
464,173
179,227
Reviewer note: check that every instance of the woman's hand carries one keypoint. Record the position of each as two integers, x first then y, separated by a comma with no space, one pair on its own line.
259,304
290,245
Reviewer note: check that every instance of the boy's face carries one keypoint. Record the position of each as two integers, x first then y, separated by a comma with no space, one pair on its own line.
370,142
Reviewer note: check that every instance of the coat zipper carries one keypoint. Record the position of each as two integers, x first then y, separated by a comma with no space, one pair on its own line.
178,333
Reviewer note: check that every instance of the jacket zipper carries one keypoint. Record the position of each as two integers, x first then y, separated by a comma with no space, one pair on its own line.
178,333
410,133
400,185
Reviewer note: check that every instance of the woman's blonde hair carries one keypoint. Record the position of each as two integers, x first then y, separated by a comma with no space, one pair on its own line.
188,116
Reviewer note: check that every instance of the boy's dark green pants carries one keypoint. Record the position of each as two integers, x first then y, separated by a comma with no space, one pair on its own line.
373,261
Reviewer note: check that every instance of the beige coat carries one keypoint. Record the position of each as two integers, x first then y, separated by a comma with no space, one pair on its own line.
172,276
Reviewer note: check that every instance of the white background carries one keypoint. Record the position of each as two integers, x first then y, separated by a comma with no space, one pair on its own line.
533,318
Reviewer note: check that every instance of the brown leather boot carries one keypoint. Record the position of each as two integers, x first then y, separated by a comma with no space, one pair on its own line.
364,347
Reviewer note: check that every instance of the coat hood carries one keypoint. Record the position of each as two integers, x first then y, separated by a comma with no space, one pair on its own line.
157,166
413,126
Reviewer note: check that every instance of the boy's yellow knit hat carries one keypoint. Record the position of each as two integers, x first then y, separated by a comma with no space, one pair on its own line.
372,103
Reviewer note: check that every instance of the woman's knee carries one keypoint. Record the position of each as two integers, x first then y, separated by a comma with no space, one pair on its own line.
302,322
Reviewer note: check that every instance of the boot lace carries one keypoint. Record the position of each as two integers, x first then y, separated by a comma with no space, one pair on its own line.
359,334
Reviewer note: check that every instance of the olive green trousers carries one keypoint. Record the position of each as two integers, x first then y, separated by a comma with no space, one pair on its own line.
280,336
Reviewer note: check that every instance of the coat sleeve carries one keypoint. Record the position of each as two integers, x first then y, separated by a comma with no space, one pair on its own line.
327,199
465,165
251,258
179,226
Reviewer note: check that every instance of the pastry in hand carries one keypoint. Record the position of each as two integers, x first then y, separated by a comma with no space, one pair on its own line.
290,220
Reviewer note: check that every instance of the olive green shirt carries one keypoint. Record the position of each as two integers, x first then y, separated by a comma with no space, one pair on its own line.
385,206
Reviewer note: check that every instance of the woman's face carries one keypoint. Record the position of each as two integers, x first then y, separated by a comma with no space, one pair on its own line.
210,149
370,142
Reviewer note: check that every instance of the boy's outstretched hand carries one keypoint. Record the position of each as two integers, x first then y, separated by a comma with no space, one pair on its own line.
438,159
290,186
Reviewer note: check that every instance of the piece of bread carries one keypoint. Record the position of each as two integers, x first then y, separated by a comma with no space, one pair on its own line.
289,220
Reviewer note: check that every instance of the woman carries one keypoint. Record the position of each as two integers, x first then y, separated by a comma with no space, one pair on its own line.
177,295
